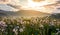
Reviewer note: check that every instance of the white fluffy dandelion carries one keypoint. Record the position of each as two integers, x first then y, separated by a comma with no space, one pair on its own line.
21,30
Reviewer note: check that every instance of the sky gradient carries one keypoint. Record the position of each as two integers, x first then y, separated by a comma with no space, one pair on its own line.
44,6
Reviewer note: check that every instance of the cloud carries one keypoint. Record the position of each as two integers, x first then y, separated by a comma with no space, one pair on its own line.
4,6
49,7
4,1
7,8
23,4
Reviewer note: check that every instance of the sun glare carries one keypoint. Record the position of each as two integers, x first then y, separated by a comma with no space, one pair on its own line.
40,6
32,3
37,0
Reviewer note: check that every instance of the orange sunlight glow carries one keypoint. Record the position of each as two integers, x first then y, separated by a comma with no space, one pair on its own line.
4,1
37,5
40,6
32,4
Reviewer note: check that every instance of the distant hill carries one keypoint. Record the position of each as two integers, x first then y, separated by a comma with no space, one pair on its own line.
31,13
7,13
22,13
55,15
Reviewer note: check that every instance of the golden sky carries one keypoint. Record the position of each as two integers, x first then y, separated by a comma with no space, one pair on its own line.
47,6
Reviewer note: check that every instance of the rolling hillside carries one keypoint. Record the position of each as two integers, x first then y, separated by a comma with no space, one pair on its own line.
31,13
22,13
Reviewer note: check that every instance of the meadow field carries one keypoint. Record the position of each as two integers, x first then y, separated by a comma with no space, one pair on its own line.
29,26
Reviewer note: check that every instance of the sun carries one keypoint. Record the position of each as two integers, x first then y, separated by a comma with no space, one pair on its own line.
37,0
38,3
33,3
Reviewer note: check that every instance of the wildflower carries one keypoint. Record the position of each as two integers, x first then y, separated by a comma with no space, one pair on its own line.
51,24
2,23
2,26
17,27
58,33
21,29
41,25
2,29
15,31
57,29
54,20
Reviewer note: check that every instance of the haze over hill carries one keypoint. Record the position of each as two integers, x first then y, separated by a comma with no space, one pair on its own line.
31,13
23,13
